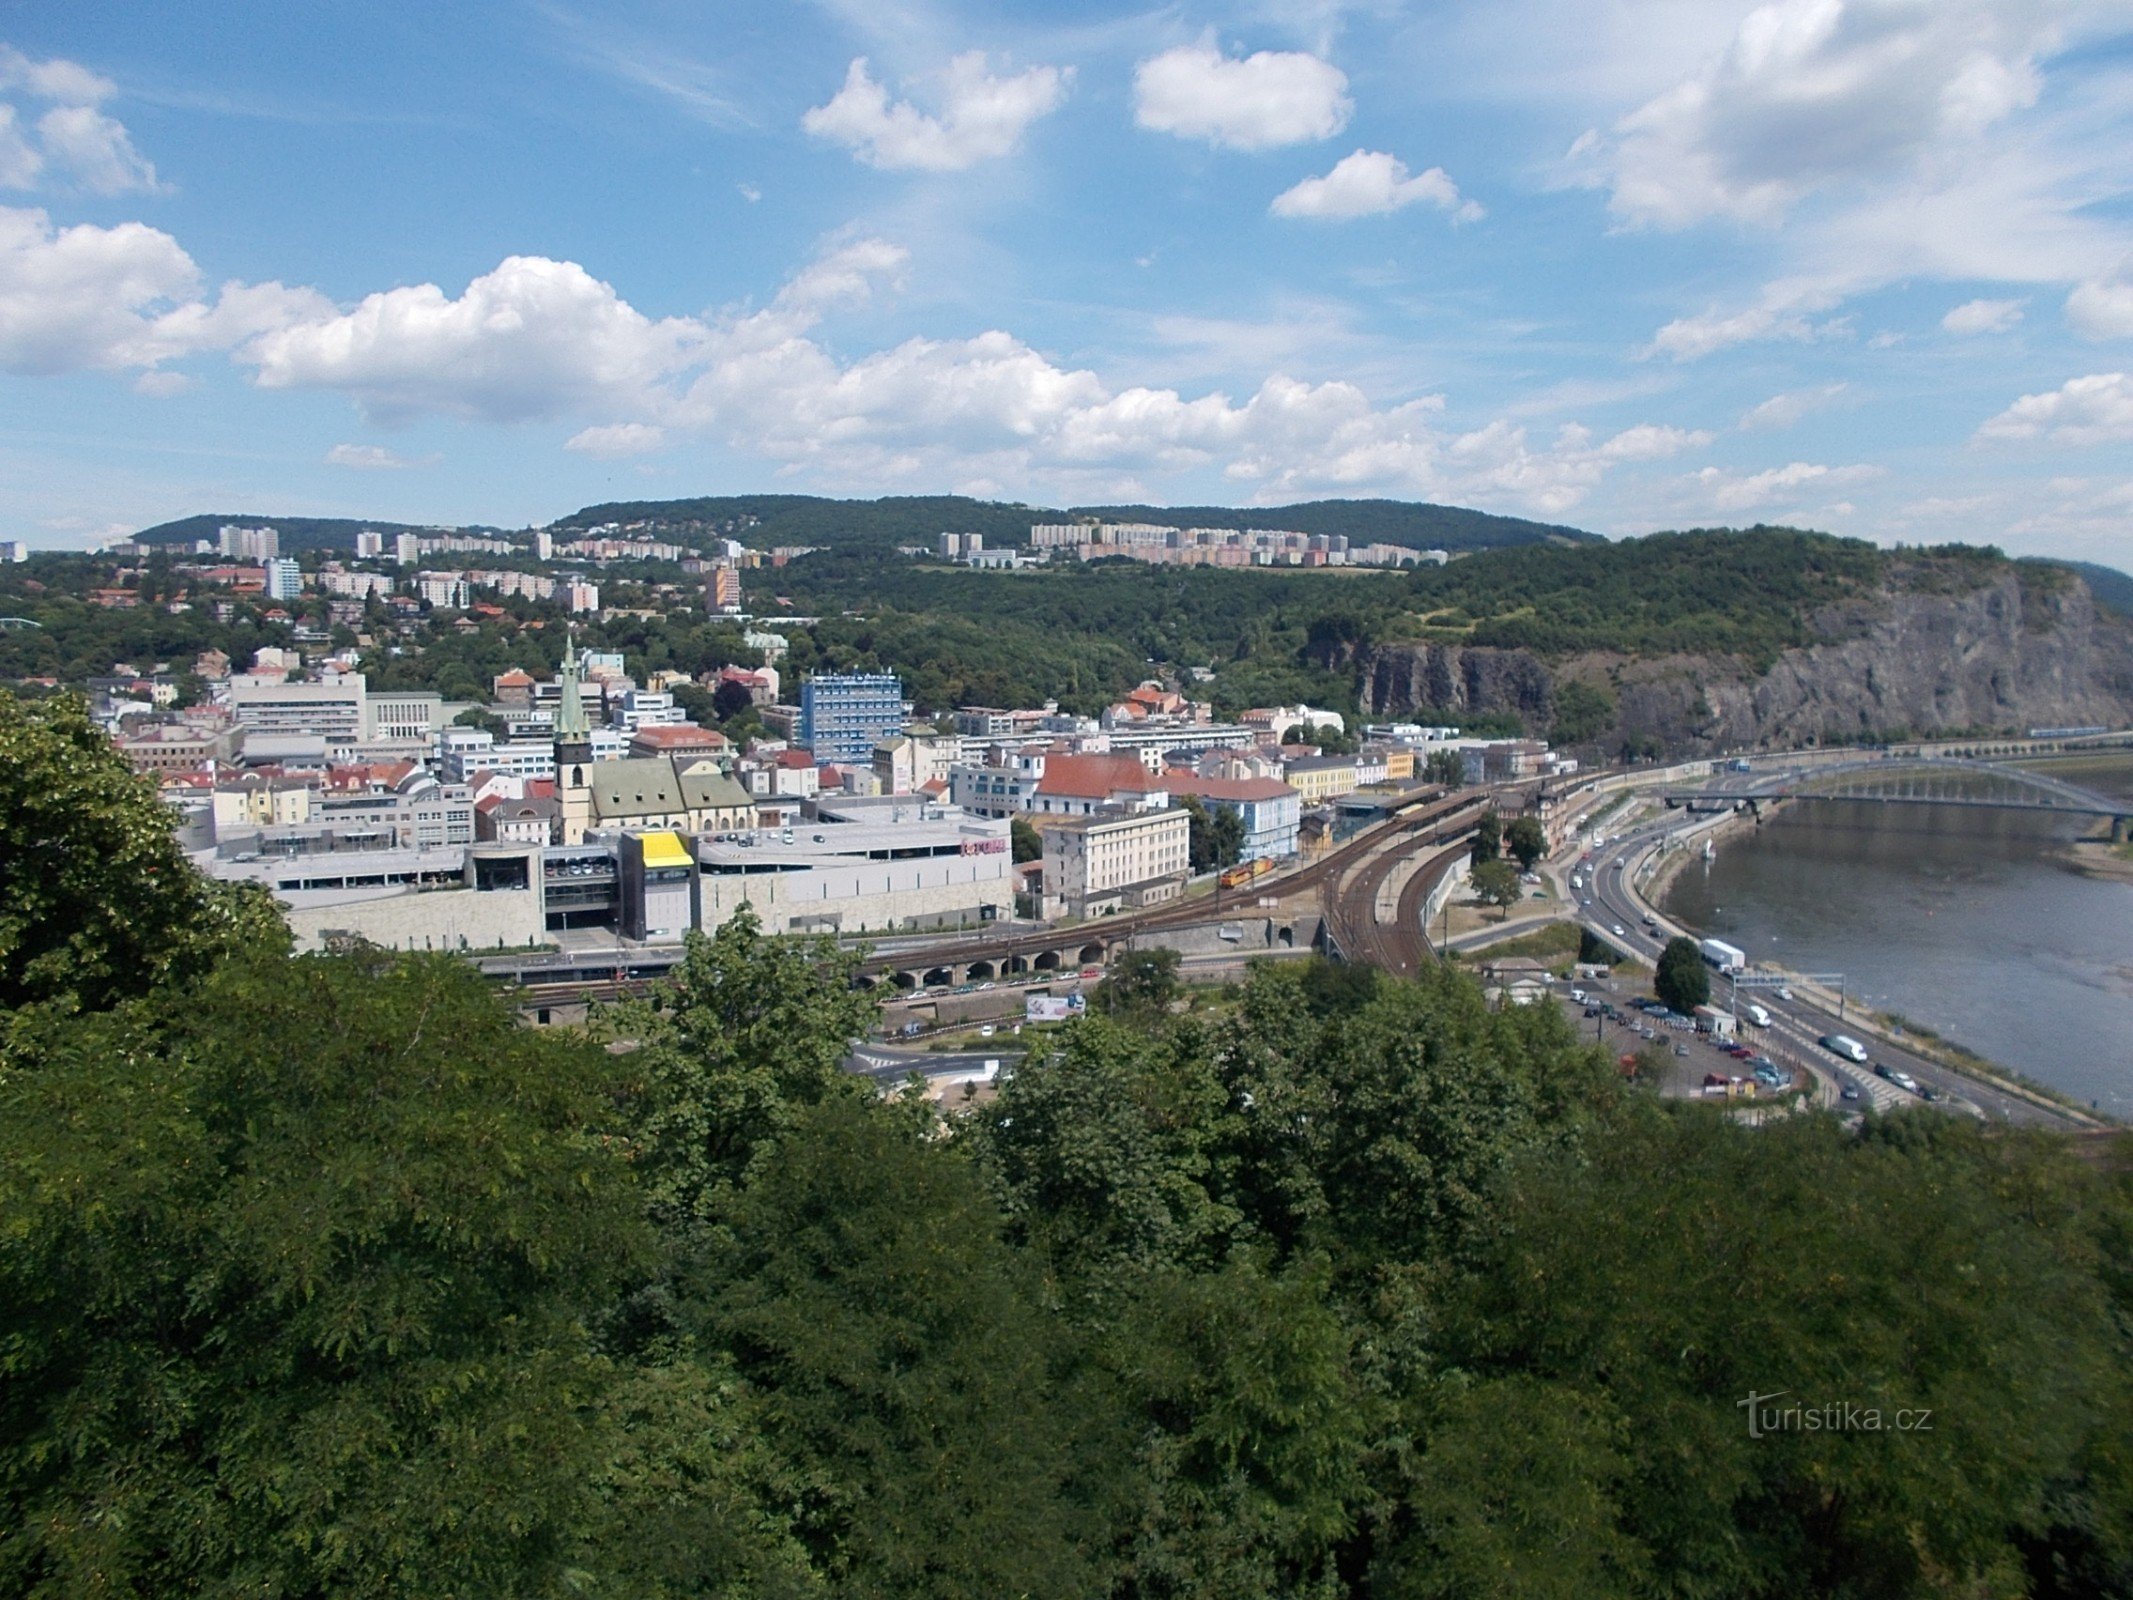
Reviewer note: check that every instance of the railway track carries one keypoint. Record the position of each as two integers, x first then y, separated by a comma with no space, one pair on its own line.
1350,901
1437,816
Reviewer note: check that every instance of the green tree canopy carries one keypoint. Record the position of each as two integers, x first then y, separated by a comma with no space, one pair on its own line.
1496,884
1682,980
1526,841
97,902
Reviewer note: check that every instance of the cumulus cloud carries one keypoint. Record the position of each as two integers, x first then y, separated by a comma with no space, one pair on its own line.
366,458
76,143
1732,491
980,117
2097,409
109,298
1371,183
1259,102
1983,316
68,82
538,338
612,440
94,151
2102,308
1784,410
1812,93
532,338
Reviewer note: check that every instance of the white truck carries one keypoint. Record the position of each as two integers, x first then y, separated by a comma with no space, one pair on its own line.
1725,957
1850,1049
1757,1015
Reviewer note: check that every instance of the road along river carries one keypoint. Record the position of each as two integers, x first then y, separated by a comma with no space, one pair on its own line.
1971,921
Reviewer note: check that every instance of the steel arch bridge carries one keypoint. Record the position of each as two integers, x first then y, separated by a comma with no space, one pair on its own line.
1955,781
1927,780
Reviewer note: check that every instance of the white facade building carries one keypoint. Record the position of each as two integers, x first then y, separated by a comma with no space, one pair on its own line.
1104,861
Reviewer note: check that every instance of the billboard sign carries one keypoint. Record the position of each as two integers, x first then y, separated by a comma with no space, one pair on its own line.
1052,1007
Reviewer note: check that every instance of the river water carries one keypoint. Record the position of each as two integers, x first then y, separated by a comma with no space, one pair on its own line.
1967,920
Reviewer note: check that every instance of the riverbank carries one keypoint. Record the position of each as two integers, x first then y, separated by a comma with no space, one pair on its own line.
2098,858
1669,866
1968,919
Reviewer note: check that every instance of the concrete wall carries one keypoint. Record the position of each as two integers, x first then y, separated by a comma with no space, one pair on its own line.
411,919
867,896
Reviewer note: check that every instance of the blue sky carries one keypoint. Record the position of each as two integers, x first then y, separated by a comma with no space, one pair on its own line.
1864,265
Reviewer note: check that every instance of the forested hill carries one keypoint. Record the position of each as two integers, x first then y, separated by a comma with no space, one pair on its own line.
765,520
297,533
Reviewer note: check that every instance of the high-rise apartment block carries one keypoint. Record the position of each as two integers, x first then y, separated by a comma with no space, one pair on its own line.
285,579
843,714
722,589
248,544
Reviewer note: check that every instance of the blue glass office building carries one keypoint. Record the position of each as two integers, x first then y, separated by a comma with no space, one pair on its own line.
843,714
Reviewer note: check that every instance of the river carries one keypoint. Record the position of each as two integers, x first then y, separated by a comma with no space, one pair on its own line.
1968,920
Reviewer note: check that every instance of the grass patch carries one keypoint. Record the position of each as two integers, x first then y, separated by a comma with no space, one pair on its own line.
1556,943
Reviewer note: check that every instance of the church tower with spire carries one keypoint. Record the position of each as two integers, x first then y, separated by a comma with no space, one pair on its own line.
573,752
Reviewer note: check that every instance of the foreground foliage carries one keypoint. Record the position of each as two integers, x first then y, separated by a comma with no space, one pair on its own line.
323,1276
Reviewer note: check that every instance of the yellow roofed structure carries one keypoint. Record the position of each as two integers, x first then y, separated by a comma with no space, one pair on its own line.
665,850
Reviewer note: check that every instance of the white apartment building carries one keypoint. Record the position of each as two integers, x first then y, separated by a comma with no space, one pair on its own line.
248,544
403,714
284,578
445,590
644,708
1104,861
337,709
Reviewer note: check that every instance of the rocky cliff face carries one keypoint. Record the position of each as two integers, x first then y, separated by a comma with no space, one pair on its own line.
2008,655
1457,681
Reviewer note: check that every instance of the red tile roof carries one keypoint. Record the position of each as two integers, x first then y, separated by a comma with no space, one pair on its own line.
671,737
1094,777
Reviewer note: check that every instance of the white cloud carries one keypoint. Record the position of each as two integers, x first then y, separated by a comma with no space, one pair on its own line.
94,150
1811,94
1262,101
1732,491
366,458
613,440
20,162
1371,183
76,143
1983,316
2102,308
537,337
532,338
67,82
981,116
2097,409
1784,311
127,296
1784,410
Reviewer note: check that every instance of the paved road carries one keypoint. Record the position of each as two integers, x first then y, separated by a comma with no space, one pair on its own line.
1611,906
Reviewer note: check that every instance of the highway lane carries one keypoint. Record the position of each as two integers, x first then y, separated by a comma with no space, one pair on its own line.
1614,903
